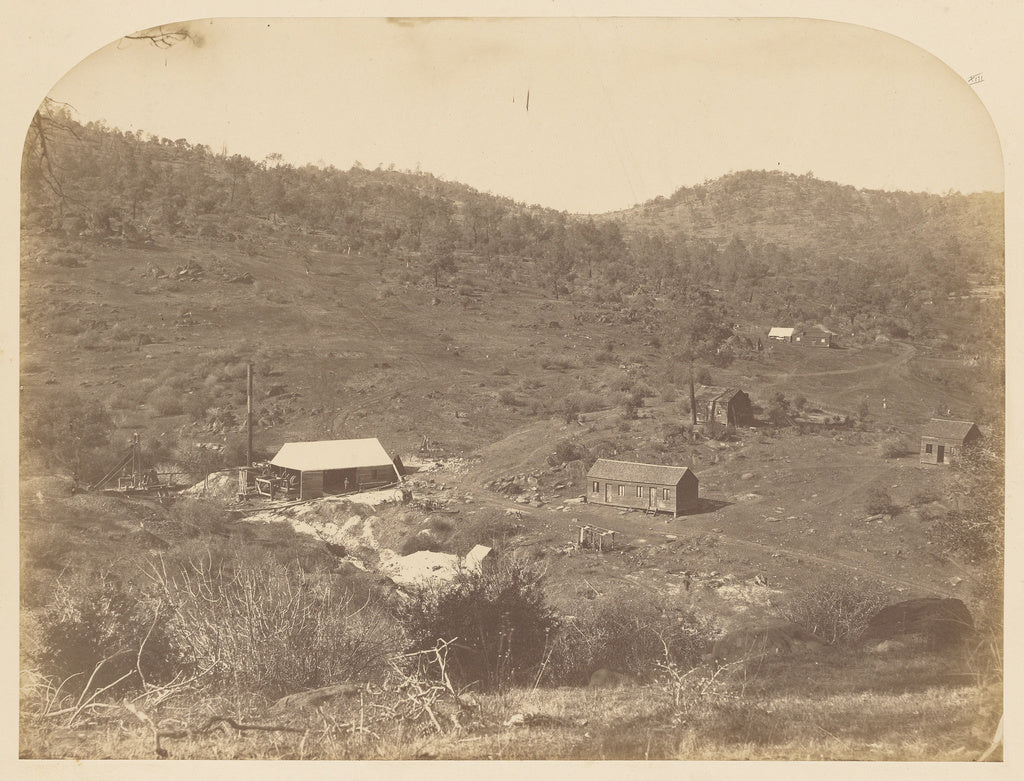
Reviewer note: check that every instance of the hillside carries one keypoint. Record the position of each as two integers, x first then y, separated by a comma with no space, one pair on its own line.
823,224
499,349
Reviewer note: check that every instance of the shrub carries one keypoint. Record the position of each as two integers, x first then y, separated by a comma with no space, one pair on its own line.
500,619
128,397
46,549
570,450
508,398
837,611
198,459
894,447
196,404
631,404
714,429
438,524
268,626
675,434
898,331
585,401
99,626
879,501
923,496
628,637
622,384
576,403
167,401
207,515
778,410
560,363
61,427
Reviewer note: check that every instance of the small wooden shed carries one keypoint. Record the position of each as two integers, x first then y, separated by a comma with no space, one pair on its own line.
480,560
729,406
648,487
779,334
943,441
336,466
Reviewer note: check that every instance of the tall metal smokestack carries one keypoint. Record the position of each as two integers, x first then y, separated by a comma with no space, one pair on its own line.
248,414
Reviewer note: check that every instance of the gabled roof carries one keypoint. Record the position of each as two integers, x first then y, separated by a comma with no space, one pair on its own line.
712,393
606,469
331,454
777,331
948,429
817,329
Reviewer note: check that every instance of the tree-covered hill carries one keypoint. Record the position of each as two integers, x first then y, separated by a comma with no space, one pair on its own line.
775,245
824,223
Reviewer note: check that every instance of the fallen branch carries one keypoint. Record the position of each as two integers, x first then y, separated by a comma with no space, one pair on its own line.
175,734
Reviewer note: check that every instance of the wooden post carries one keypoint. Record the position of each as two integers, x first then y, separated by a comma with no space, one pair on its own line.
136,461
248,414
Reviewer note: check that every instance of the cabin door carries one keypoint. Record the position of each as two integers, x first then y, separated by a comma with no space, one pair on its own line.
941,457
650,497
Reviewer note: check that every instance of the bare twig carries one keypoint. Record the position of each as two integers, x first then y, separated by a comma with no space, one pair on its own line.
162,39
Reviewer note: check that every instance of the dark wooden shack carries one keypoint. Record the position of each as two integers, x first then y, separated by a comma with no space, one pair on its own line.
336,466
943,441
729,406
814,337
647,487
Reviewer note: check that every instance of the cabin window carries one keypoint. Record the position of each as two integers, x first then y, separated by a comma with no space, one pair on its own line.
927,448
664,493
595,487
640,491
619,490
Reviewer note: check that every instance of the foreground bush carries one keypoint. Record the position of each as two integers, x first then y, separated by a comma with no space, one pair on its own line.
254,624
268,626
498,622
837,611
98,629
628,637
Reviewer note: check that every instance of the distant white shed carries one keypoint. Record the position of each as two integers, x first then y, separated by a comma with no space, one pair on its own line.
781,334
479,559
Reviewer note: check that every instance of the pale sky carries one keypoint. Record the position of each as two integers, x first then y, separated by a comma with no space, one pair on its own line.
620,110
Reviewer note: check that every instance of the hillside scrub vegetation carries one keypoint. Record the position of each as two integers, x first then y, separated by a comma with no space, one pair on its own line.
132,186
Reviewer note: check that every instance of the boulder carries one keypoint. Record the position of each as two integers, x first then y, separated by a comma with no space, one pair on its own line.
938,623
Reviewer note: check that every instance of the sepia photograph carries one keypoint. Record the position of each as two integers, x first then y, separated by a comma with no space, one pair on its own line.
514,388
